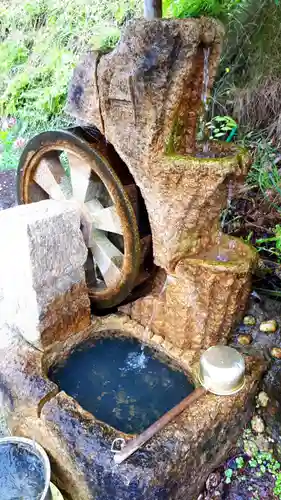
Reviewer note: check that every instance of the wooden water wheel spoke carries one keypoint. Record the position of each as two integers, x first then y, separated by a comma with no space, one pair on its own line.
80,173
105,219
51,177
107,257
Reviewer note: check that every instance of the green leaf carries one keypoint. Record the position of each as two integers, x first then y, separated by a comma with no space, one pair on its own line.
228,473
240,462
253,463
220,118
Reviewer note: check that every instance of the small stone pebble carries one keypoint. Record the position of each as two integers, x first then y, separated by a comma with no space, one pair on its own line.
244,339
269,326
276,352
250,447
262,399
262,443
249,320
257,424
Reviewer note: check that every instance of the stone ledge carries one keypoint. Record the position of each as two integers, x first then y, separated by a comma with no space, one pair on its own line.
43,293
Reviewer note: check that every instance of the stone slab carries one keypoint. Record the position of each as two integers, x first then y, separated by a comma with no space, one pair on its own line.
42,255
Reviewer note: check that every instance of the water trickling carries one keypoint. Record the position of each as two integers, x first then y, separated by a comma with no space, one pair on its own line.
121,384
222,256
21,473
154,305
204,96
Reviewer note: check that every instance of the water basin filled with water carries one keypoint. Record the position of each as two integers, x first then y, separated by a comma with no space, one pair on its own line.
21,473
212,149
121,382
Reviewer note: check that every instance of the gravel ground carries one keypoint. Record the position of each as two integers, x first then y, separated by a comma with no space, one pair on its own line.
7,189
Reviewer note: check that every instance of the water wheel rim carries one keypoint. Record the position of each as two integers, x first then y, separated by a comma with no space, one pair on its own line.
57,141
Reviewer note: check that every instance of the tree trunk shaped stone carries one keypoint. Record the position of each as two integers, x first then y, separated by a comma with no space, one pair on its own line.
147,96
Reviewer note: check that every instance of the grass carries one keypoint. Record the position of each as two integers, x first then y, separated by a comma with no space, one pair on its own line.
220,9
250,88
40,43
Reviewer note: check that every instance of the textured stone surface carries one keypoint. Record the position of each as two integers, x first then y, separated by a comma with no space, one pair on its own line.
146,81
83,93
42,282
22,384
198,307
149,92
172,466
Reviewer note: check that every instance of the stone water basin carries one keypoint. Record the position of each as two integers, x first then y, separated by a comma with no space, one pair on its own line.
226,253
121,382
173,465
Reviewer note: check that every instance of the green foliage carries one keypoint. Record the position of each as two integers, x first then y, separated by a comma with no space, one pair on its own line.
277,487
10,147
228,475
221,126
40,43
261,463
195,8
271,245
265,172
250,88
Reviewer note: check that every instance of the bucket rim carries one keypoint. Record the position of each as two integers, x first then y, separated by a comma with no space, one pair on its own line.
41,453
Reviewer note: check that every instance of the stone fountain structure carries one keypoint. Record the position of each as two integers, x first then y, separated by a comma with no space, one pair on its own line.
145,97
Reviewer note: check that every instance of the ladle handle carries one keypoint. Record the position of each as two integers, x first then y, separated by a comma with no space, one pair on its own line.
137,442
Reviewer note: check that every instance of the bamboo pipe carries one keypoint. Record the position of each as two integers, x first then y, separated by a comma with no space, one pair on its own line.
142,438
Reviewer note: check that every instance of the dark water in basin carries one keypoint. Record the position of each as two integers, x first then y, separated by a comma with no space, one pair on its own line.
121,384
21,473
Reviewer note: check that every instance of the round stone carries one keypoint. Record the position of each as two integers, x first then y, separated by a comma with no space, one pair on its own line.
276,352
257,424
249,320
262,399
269,326
244,339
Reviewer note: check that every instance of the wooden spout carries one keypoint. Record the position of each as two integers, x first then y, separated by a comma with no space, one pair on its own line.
140,440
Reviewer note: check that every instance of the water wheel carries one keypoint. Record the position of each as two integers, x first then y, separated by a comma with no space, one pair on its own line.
79,165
